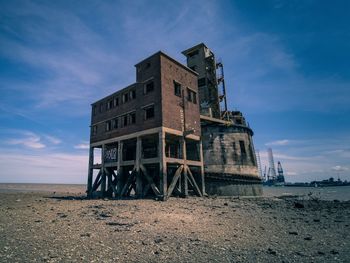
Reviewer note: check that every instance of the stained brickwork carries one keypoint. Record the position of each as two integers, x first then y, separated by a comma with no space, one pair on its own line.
124,112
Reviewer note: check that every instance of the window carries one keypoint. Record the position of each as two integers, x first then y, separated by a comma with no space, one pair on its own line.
94,130
149,87
191,96
177,89
116,102
109,104
115,123
94,111
101,107
108,125
242,146
132,117
193,53
201,82
193,68
149,112
148,65
125,120
125,97
132,94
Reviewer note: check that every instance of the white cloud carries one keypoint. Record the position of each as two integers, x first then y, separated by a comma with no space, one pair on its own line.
278,143
52,139
82,146
30,141
339,168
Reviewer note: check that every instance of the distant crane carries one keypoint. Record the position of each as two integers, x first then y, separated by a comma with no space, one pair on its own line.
271,178
272,169
280,177
259,163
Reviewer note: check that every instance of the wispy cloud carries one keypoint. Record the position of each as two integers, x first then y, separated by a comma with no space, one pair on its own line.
31,140
339,168
82,146
53,139
278,143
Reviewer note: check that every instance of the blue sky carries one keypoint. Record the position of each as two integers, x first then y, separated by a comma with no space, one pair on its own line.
286,67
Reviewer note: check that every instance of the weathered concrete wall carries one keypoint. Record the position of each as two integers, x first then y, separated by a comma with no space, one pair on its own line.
229,160
229,150
224,188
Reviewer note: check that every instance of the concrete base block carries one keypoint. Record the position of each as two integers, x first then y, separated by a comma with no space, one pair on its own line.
233,189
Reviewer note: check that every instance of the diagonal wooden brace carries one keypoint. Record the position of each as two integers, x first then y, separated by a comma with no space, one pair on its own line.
175,179
150,180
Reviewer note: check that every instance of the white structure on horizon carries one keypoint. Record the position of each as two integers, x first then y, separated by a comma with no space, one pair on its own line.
272,169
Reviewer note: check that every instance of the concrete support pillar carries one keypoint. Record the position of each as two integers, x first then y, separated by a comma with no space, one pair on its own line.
139,188
184,181
103,175
202,167
162,166
90,172
119,168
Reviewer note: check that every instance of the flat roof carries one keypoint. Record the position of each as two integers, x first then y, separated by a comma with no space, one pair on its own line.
189,50
116,92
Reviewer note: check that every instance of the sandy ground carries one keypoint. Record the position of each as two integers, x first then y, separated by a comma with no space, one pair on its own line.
63,227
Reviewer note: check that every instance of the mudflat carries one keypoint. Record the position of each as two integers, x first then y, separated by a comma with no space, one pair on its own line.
66,227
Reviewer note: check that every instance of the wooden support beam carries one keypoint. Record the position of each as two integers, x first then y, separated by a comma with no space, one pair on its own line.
175,179
90,172
109,191
97,182
193,182
150,181
128,183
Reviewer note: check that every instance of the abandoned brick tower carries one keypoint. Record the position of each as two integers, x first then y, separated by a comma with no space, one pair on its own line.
146,139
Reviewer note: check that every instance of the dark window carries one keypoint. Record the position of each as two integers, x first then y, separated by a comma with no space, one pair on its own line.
126,97
108,125
177,89
116,102
193,53
132,118
201,82
193,68
148,65
242,146
125,120
132,94
115,123
191,96
101,107
110,104
149,87
149,112
94,111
